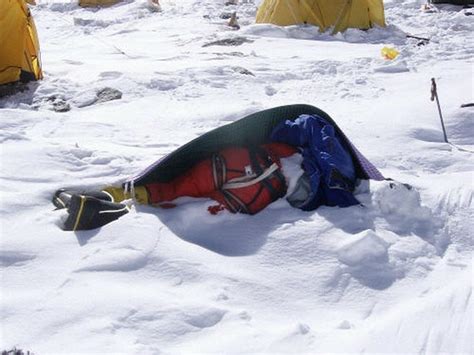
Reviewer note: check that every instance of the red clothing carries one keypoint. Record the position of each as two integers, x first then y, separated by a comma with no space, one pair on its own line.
207,179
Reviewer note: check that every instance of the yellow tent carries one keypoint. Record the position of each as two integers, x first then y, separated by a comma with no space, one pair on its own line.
19,46
341,14
94,3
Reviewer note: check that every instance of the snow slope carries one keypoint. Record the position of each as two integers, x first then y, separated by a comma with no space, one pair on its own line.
393,275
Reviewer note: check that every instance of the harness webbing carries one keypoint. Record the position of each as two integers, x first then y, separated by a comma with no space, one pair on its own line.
218,170
239,183
262,153
263,167
233,200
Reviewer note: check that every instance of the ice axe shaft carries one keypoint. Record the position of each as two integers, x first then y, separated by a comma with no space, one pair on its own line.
434,95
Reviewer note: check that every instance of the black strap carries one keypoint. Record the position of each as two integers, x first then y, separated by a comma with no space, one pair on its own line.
278,174
256,152
336,180
260,160
235,203
218,170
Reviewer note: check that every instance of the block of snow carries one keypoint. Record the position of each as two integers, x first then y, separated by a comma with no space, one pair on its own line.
367,247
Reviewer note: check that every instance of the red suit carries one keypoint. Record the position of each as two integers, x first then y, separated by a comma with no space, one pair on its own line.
241,179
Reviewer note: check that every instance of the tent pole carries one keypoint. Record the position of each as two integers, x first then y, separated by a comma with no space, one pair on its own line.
434,95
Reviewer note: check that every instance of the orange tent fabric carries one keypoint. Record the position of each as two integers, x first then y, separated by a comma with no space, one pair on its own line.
338,14
19,45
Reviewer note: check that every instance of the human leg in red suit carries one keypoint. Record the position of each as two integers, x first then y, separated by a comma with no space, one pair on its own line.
201,180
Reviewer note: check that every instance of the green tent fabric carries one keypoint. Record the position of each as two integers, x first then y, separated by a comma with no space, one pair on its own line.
250,130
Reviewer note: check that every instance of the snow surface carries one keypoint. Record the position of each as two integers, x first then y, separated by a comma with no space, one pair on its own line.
393,275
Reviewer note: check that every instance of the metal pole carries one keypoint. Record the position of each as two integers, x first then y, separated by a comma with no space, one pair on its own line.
434,95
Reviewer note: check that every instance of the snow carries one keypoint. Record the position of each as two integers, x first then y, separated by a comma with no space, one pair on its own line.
392,275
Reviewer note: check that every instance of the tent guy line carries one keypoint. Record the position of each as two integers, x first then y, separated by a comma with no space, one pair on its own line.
99,39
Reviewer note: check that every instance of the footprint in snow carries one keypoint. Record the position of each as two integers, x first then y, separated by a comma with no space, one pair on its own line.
14,258
120,260
14,129
12,136
460,127
427,135
270,90
72,62
205,319
168,324
164,84
345,324
110,75
78,159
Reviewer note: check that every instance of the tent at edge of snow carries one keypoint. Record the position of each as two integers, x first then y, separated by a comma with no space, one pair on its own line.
19,52
251,130
342,14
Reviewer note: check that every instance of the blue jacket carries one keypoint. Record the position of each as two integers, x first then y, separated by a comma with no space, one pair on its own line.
327,162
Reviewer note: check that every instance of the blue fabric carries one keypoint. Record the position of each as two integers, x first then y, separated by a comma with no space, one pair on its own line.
326,161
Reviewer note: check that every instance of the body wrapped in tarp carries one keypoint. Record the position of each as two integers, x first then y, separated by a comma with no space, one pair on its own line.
19,45
252,130
238,166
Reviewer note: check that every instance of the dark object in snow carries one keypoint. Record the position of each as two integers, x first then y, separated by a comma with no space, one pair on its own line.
231,2
59,104
231,54
468,105
226,15
234,41
103,95
16,351
422,40
12,88
233,22
393,185
87,212
108,94
243,71
62,197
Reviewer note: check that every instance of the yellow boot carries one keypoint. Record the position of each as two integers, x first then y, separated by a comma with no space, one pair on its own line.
118,194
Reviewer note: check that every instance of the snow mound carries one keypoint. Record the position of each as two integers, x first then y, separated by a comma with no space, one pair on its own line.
366,249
